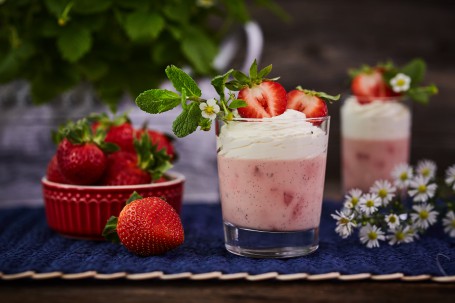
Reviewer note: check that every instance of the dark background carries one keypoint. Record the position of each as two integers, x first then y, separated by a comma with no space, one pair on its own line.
326,38
323,39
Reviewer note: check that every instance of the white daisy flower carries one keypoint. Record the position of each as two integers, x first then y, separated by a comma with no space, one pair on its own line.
450,176
370,235
449,223
345,223
392,220
352,199
400,235
426,168
400,83
420,189
402,175
209,109
424,215
384,190
369,203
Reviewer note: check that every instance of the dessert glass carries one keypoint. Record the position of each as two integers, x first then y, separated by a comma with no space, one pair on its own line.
271,173
375,137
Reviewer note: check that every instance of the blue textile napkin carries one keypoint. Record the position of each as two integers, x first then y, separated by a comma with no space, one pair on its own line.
27,243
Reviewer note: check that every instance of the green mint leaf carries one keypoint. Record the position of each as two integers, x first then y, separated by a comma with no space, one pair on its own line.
110,230
134,196
199,48
322,95
74,42
416,70
422,94
180,80
144,25
156,101
265,71
219,82
234,85
188,120
237,103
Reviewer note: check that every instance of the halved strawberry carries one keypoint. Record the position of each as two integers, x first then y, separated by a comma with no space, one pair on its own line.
264,97
309,102
369,85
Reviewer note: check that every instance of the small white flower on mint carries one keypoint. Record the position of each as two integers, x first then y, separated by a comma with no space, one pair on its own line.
400,235
421,190
345,223
449,223
424,215
209,109
370,235
352,199
369,203
450,176
384,190
402,175
400,83
426,168
392,220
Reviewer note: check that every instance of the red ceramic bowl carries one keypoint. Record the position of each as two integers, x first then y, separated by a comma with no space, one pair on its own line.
82,211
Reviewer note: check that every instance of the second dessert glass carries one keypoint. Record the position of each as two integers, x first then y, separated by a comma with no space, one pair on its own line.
271,174
375,137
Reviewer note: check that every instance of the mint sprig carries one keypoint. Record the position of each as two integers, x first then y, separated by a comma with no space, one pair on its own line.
321,95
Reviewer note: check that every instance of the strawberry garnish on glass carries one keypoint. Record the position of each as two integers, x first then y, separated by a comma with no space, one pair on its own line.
309,102
265,98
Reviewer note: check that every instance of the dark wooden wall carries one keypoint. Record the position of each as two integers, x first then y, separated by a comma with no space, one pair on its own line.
326,37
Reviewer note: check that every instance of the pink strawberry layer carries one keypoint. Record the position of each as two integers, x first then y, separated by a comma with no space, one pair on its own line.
365,161
272,195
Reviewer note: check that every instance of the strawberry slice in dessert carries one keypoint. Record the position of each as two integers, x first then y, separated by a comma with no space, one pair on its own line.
309,102
265,98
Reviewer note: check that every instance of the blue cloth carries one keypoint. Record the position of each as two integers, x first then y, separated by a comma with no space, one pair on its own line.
26,243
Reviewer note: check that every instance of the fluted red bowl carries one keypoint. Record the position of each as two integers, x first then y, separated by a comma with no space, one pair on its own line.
82,211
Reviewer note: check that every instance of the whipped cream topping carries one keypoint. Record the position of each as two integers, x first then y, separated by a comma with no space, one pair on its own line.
378,120
287,136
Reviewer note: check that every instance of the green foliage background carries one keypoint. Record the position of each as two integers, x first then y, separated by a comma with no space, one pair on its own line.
116,45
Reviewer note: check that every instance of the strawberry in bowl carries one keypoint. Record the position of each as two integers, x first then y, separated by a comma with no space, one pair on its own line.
89,179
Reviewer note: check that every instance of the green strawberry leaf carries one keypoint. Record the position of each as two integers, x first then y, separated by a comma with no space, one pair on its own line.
241,77
110,230
156,101
422,94
237,104
188,120
180,80
254,70
416,70
321,95
219,82
134,196
205,124
265,71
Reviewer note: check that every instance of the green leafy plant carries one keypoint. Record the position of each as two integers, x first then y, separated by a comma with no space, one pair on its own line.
116,45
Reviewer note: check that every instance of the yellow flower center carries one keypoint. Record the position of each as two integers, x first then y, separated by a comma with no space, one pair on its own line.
209,110
425,172
382,193
369,203
422,189
392,219
401,82
404,176
423,215
344,221
452,224
354,201
372,235
400,236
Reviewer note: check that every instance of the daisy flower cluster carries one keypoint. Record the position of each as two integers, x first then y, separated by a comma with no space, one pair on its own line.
401,210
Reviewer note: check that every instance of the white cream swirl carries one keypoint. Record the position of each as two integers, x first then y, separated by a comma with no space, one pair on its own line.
378,120
288,136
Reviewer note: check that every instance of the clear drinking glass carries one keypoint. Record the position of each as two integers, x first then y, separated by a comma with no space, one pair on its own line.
375,137
271,174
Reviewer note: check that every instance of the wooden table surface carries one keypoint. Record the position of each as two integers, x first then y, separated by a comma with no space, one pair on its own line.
216,291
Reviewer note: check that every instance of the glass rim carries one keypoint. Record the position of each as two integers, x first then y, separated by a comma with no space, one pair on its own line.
277,120
401,98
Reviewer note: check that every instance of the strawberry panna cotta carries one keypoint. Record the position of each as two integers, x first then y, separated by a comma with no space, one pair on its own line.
99,151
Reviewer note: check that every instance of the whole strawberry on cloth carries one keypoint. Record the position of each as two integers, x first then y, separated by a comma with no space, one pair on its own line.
146,226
